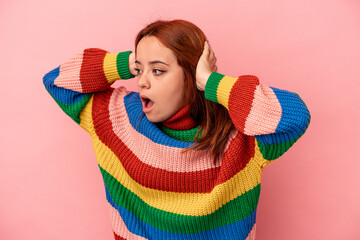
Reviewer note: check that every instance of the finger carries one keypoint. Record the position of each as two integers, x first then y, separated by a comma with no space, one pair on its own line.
214,68
213,62
212,53
206,48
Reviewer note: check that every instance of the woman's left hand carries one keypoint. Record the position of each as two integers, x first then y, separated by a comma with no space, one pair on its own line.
205,66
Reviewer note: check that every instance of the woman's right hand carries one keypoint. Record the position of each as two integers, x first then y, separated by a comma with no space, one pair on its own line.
205,66
132,65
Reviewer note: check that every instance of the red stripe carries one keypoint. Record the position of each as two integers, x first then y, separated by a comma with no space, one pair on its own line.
92,74
240,151
117,237
181,120
241,98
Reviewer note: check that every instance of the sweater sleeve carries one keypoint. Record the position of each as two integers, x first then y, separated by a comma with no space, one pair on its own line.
276,118
73,83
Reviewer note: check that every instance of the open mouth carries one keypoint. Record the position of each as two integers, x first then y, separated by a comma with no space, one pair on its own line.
147,103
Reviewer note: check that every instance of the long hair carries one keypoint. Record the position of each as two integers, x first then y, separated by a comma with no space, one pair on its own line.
186,41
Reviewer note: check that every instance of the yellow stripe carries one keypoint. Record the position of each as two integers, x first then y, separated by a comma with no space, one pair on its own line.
193,204
223,90
86,116
110,68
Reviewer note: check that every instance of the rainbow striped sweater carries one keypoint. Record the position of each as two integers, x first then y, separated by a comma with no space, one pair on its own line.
153,190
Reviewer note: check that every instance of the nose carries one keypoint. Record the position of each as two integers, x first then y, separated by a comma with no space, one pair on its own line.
143,81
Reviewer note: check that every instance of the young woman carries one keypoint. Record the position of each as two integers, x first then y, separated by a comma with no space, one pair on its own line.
181,159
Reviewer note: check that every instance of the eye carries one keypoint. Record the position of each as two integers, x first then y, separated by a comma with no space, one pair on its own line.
138,71
158,71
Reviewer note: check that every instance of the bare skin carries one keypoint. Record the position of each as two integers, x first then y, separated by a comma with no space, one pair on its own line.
160,84
206,65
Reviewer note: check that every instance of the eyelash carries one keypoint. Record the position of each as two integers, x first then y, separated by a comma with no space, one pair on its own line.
161,71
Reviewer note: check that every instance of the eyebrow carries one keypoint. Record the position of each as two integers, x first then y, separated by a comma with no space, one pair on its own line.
153,62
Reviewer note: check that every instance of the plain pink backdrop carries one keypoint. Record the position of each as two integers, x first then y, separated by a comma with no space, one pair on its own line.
50,184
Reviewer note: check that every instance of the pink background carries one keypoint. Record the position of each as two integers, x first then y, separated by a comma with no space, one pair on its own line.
50,184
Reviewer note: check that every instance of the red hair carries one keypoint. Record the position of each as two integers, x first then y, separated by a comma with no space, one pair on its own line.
186,41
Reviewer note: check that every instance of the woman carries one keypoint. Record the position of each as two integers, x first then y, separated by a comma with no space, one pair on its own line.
181,159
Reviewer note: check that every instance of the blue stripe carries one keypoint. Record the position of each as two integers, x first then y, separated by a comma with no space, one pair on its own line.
65,96
149,129
295,119
235,231
274,138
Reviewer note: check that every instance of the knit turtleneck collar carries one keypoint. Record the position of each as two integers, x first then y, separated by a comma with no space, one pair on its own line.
181,120
181,126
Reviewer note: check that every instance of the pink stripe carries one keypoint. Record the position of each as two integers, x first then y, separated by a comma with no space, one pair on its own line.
172,159
265,112
119,226
251,235
69,76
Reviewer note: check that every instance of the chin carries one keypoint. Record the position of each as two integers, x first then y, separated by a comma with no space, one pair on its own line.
154,119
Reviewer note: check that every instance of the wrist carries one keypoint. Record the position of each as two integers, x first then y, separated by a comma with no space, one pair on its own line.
201,80
212,85
116,66
206,77
122,63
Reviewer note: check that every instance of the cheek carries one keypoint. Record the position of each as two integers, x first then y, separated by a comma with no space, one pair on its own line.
176,93
170,97
171,93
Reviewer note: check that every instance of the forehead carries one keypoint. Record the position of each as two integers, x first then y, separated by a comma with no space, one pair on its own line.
151,49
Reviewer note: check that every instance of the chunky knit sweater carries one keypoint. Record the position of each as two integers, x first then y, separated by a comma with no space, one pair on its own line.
153,189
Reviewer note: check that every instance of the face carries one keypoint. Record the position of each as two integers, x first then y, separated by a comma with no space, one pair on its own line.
160,80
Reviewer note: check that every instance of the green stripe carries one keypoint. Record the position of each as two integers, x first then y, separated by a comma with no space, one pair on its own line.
274,151
122,64
182,135
212,85
233,211
73,110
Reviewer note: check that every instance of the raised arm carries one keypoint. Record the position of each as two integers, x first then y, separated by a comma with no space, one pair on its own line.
73,83
276,118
